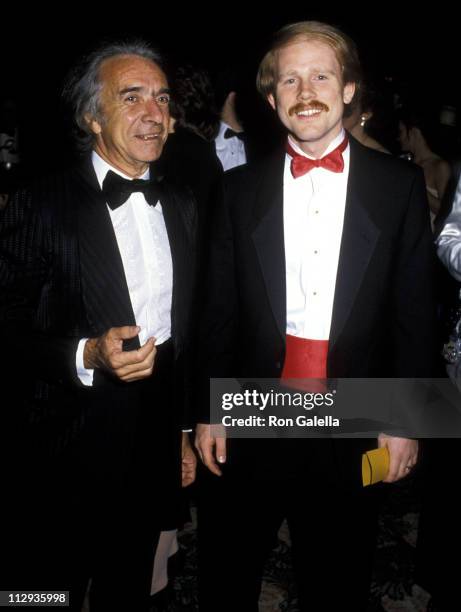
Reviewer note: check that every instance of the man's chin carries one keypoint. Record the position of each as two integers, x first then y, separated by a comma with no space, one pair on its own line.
303,138
308,133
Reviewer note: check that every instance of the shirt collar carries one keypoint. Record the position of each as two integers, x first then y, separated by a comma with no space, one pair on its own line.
101,167
331,147
222,128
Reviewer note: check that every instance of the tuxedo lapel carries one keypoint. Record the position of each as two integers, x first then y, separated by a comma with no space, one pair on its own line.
268,238
359,238
104,286
180,219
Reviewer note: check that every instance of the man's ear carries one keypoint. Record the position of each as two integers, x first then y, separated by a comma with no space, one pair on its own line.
348,92
271,100
93,124
415,134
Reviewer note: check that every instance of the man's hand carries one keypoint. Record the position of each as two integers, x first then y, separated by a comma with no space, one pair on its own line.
209,446
403,455
188,461
106,352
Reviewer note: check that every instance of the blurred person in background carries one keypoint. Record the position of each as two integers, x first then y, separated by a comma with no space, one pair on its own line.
418,136
10,168
362,119
439,532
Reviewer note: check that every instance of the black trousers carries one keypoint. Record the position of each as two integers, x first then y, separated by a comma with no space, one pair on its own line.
439,533
95,511
332,529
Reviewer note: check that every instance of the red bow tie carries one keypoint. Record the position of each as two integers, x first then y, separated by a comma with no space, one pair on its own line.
333,161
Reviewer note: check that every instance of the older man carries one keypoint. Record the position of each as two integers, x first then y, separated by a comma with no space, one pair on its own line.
321,266
96,273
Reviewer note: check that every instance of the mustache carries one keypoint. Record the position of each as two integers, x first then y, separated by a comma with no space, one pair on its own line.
314,105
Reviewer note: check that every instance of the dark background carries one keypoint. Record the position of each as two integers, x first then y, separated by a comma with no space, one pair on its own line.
415,53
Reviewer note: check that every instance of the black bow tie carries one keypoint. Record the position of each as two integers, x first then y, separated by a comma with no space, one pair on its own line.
117,190
231,134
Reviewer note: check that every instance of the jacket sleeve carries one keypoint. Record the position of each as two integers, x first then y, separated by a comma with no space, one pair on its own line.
25,271
413,299
219,313
449,240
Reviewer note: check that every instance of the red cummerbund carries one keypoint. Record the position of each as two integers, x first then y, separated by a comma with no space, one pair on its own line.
305,358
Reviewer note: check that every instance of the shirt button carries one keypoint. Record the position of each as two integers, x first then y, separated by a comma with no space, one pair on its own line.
315,252
314,293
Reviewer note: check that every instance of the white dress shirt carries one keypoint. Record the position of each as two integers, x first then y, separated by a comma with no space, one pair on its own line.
231,151
145,251
449,240
313,217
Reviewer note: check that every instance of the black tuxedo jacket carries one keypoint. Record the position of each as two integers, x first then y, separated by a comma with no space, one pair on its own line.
383,314
62,279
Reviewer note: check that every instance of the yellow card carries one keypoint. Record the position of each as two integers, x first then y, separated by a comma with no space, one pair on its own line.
375,466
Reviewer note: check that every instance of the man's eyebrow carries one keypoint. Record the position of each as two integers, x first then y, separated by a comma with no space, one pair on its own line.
294,71
286,72
325,70
135,89
126,90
